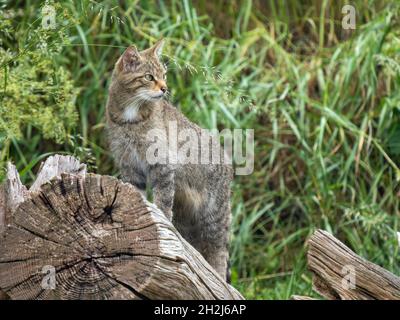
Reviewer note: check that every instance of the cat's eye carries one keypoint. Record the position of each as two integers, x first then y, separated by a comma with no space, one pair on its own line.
149,77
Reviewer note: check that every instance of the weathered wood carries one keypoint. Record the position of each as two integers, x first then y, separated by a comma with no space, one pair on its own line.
104,241
3,295
2,208
295,297
14,192
341,274
54,166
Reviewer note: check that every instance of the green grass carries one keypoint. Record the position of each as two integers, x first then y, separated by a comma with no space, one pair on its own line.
324,104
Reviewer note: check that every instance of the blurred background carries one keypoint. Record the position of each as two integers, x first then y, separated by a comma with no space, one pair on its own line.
324,102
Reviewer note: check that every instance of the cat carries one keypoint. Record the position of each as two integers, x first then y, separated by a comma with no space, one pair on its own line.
195,197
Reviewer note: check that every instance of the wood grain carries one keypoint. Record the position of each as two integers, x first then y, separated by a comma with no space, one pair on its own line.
340,274
104,241
54,166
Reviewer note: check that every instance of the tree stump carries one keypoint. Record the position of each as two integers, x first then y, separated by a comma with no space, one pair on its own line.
76,235
340,274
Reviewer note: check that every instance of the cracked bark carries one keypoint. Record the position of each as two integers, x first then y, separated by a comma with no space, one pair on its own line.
340,274
104,240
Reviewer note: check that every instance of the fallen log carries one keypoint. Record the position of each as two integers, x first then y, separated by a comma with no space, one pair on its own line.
76,235
340,274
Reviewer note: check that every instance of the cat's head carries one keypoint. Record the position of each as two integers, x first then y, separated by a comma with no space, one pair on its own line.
141,73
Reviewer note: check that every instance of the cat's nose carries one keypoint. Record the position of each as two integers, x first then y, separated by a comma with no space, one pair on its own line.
163,89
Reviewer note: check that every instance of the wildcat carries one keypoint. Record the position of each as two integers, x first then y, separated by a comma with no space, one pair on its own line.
195,197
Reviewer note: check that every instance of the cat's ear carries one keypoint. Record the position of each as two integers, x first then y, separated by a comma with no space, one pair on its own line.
129,60
157,48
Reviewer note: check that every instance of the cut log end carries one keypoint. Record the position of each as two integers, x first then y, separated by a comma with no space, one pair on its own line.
84,231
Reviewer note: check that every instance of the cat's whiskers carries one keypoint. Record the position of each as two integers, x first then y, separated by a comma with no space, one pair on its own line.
167,95
131,109
132,106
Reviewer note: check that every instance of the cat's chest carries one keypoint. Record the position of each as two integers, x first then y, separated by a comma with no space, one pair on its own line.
134,145
129,149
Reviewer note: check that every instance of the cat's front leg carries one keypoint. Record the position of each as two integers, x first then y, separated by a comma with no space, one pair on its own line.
162,181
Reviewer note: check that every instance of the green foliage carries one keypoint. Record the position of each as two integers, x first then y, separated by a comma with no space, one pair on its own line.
36,92
324,103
